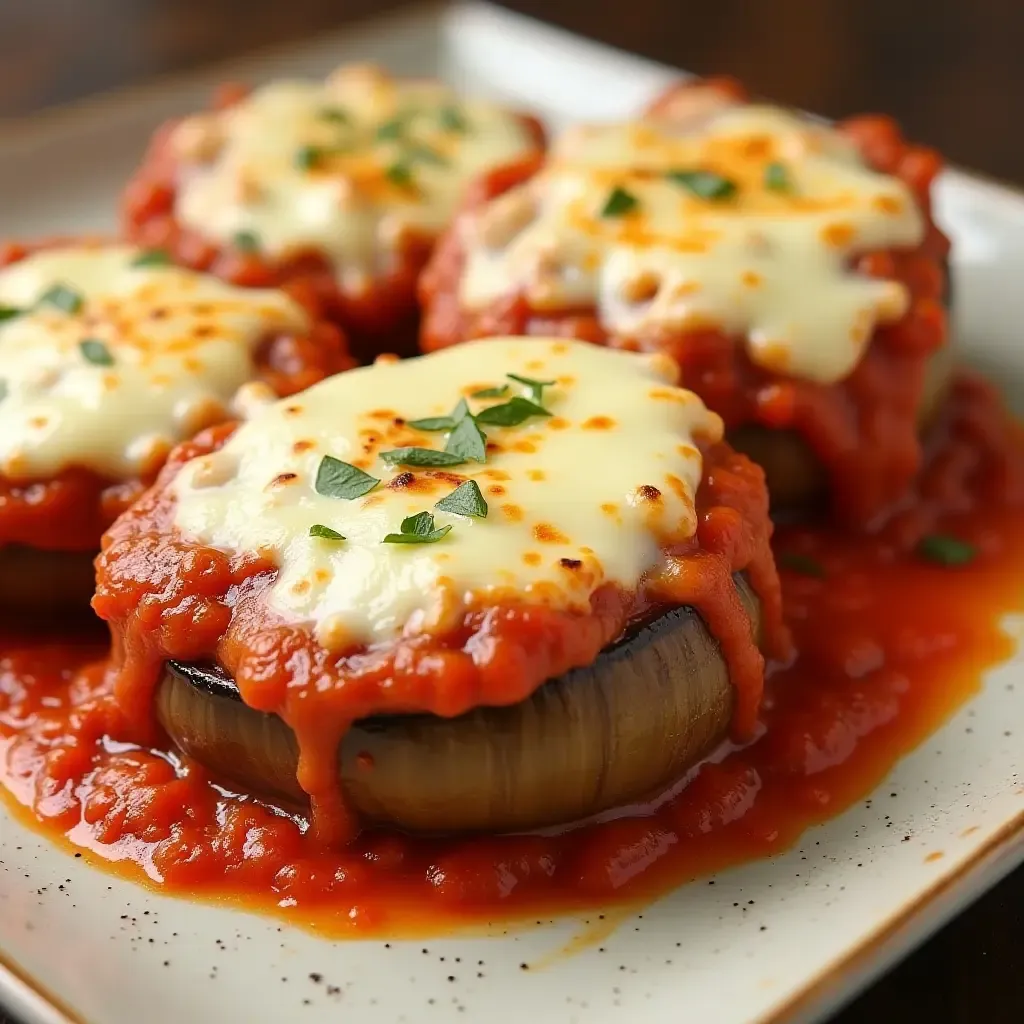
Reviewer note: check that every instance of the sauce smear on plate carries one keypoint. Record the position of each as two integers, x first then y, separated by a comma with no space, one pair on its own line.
893,631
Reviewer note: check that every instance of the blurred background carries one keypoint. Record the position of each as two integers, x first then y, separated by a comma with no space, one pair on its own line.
952,71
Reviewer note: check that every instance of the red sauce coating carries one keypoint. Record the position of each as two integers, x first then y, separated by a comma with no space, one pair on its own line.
863,429
381,317
169,598
70,511
888,644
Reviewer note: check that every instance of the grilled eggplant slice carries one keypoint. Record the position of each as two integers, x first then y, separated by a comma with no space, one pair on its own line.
597,737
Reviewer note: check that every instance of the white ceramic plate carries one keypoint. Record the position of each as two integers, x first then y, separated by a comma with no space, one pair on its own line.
785,939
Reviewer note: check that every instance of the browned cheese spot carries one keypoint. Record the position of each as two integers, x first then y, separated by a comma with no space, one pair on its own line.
648,492
599,423
570,563
548,534
512,512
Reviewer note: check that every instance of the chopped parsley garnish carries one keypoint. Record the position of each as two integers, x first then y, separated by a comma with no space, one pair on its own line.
536,387
324,532
392,129
435,423
452,120
96,352
399,173
465,500
9,312
432,423
308,157
152,258
704,184
425,155
246,241
945,550
64,298
619,203
803,564
498,392
418,529
427,457
776,178
335,115
511,413
467,441
337,479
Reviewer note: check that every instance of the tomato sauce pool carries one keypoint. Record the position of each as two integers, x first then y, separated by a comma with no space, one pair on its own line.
893,632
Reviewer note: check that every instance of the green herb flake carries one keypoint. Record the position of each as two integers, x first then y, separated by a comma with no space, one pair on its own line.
423,457
802,564
152,258
425,155
337,479
945,550
308,157
336,115
465,500
63,298
535,387
96,352
324,532
498,392
432,423
776,178
511,413
399,173
393,129
418,529
451,119
619,203
3,389
467,441
9,313
704,184
246,241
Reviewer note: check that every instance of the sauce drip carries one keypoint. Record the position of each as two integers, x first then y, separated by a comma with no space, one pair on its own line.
888,643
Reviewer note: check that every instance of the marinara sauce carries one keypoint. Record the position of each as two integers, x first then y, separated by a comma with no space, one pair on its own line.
892,630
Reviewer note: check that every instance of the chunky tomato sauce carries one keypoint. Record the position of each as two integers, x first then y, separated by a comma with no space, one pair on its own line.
863,429
169,598
70,511
378,316
888,643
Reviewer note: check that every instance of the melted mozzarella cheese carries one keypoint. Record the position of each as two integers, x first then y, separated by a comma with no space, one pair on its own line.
138,358
583,497
349,167
768,263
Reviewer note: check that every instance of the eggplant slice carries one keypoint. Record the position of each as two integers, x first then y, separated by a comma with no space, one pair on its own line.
35,583
594,738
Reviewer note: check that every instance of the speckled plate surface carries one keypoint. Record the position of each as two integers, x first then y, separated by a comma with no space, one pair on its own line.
779,940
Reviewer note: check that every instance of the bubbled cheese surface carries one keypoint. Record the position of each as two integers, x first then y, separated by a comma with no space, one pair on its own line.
347,167
579,498
132,360
770,262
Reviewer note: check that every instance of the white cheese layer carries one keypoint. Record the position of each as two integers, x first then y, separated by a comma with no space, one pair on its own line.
769,262
123,361
574,500
348,167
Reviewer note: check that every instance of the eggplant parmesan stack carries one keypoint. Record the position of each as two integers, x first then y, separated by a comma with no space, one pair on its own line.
338,187
109,357
510,584
792,269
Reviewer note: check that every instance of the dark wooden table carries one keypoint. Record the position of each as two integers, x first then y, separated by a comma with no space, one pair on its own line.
951,70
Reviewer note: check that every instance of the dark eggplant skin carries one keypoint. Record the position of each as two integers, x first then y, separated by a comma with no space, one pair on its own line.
595,738
35,583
